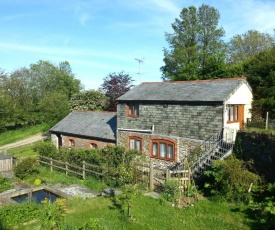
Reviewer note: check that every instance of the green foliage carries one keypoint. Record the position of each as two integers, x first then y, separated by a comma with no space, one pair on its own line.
53,108
196,49
5,184
119,164
261,77
171,190
46,149
123,201
245,46
26,167
93,224
231,179
92,100
18,214
52,214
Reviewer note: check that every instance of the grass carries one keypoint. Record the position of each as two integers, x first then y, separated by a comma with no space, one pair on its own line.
259,130
22,151
146,212
11,136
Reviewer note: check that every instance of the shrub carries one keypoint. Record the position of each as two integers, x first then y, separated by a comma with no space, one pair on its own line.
171,190
26,167
231,179
46,149
5,184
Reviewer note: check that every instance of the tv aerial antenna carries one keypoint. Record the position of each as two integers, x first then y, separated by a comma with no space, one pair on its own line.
140,61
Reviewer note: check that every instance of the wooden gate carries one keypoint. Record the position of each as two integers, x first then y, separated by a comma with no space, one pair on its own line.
6,163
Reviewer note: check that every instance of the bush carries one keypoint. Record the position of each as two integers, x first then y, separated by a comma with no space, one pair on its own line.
46,149
5,184
231,179
171,190
26,167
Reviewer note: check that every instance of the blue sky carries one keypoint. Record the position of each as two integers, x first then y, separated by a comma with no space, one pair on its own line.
98,37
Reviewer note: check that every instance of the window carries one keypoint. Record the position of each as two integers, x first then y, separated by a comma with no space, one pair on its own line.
71,143
135,143
233,113
163,149
93,146
132,109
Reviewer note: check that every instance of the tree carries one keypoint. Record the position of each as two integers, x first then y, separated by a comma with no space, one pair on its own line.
245,46
260,72
89,100
195,45
53,108
115,85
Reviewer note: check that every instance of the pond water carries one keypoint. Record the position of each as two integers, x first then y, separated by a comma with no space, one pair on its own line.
37,196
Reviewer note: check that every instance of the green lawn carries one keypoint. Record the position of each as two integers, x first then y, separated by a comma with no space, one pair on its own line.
11,136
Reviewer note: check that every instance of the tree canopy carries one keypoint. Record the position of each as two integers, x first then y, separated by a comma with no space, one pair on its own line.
115,85
196,48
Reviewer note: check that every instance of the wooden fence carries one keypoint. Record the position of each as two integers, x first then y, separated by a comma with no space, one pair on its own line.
146,172
69,168
6,163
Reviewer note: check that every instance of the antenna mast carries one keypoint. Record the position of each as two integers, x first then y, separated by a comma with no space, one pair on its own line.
139,61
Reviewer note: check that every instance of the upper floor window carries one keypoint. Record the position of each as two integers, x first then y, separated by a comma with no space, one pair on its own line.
132,109
233,113
135,143
163,149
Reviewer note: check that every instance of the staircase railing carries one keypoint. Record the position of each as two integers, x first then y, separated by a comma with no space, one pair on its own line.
214,148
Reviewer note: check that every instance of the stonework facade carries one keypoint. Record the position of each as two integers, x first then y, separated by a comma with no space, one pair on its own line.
185,125
79,142
194,121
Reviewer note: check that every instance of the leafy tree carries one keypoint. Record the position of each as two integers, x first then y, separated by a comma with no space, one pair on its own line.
89,100
196,47
260,72
49,78
115,85
247,45
53,108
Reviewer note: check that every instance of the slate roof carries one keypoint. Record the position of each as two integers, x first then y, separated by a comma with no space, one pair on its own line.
217,90
100,125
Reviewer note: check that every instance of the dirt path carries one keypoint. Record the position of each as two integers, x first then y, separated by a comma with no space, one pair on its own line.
28,140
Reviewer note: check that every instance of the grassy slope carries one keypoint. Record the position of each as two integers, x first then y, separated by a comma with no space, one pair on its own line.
10,136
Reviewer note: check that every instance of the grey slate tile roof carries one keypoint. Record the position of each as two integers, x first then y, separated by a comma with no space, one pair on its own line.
100,125
217,90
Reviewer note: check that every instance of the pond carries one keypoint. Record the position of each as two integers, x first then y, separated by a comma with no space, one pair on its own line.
37,196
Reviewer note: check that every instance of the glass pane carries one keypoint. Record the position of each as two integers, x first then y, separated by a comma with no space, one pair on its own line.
236,112
155,149
136,109
231,112
138,144
170,151
162,150
132,143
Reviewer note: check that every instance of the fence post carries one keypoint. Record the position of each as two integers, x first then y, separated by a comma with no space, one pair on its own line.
51,164
167,174
266,121
151,175
83,170
66,168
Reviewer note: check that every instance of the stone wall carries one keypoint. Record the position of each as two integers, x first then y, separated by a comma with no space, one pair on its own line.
194,121
183,146
81,142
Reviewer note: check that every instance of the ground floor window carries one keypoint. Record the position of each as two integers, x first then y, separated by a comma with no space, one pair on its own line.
135,143
71,143
163,149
